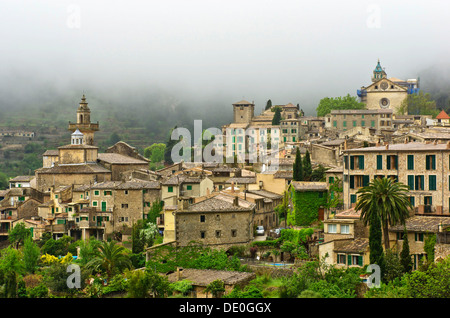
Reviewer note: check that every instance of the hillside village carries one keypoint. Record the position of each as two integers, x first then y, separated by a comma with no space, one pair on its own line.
82,193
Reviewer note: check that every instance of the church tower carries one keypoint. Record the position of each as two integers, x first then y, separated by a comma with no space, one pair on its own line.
84,124
243,112
378,72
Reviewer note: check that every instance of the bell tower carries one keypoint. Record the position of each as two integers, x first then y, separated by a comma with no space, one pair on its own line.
84,124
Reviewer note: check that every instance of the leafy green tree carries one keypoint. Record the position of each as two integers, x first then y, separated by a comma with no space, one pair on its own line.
11,266
283,208
428,247
88,249
55,279
389,199
143,235
326,105
31,253
298,174
110,258
155,211
318,174
393,266
434,282
307,168
4,183
276,117
405,256
143,282
57,247
216,288
18,234
418,104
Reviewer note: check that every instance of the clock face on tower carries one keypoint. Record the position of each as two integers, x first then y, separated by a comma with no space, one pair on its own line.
384,102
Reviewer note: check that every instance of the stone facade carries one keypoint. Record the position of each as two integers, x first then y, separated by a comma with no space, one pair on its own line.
423,166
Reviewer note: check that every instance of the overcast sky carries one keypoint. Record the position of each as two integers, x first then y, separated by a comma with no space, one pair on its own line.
288,51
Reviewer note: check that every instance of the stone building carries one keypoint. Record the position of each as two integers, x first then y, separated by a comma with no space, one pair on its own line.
343,120
218,221
418,228
424,167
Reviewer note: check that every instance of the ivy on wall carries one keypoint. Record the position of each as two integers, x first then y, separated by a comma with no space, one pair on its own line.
306,206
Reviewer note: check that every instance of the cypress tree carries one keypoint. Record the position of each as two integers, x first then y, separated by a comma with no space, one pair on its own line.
405,256
268,105
298,167
276,117
307,168
376,242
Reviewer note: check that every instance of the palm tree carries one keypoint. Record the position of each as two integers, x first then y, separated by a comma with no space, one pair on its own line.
109,258
388,199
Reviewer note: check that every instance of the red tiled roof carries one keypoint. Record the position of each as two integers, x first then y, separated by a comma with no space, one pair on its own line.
442,115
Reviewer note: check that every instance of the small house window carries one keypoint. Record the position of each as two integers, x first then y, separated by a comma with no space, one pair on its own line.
202,218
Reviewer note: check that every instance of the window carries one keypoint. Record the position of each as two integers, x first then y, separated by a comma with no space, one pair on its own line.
344,124
392,162
379,162
124,206
125,192
345,229
363,123
354,123
400,236
428,200
357,260
217,234
107,193
430,162
418,237
56,196
352,198
189,187
341,259
94,203
233,233
357,162
202,234
410,162
202,218
332,228
432,183
412,200
334,123
96,192
170,189
419,182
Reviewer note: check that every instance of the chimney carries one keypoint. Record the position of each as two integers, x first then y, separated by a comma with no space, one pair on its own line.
232,186
236,201
387,145
179,273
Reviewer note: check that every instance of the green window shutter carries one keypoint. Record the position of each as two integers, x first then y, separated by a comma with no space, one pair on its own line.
352,198
422,182
352,182
344,124
366,180
354,123
361,162
352,162
170,189
412,200
363,123
388,162
334,123
379,162
346,162
410,162
432,182
372,123
349,258
433,162
360,260
411,182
